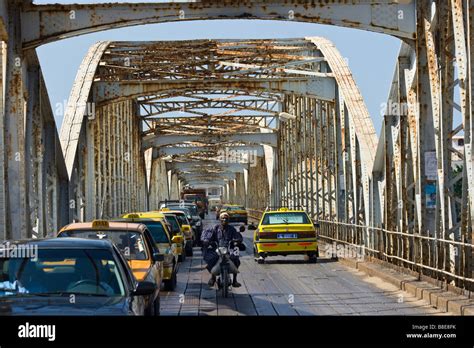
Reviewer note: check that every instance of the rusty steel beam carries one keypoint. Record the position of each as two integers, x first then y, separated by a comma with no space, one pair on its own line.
46,23
253,138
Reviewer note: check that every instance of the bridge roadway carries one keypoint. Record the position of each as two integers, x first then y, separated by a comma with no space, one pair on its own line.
287,286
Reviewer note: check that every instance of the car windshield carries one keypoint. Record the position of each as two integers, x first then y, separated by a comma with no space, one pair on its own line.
62,271
235,208
130,243
157,231
186,210
175,228
285,218
192,197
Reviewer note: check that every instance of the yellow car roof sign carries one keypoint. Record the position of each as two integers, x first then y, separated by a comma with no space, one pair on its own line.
165,209
100,224
133,216
283,209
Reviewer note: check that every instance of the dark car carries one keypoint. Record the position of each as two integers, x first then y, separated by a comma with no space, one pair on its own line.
136,245
192,213
69,276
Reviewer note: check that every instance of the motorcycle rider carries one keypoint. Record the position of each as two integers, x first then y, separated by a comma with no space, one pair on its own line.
222,234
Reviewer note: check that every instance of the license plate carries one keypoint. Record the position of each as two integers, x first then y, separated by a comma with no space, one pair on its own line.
287,236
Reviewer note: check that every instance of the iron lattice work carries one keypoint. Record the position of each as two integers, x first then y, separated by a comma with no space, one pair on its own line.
146,118
201,102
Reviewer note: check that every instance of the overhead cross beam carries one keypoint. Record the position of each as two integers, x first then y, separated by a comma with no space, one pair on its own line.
46,23
318,87
172,151
251,138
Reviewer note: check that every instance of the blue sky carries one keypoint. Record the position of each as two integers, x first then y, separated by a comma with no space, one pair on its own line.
371,56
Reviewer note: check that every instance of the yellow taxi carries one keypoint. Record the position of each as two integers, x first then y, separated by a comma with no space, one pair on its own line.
136,244
185,227
173,226
165,243
237,213
285,232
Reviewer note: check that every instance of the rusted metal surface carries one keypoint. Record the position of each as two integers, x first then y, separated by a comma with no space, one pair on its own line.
290,106
47,23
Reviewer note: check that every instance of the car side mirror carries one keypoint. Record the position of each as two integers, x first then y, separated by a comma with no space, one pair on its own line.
316,224
157,257
145,289
251,227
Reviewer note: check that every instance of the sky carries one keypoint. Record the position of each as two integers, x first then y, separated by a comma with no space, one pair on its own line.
371,56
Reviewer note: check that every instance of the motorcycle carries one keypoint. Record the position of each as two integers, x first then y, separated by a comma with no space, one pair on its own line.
225,267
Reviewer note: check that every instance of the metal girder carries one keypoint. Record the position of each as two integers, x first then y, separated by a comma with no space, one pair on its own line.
318,87
202,182
206,166
79,107
171,151
197,176
160,107
251,138
47,23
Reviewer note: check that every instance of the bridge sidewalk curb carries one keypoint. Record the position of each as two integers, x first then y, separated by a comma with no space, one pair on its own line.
436,296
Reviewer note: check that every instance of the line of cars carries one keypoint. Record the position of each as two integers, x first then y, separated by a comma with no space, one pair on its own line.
102,267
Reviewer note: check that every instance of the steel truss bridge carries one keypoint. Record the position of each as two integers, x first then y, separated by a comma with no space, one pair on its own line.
274,122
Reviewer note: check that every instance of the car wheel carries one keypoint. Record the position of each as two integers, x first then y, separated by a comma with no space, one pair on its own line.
312,259
260,260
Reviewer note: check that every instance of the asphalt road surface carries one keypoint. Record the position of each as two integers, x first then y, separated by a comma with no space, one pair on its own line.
287,286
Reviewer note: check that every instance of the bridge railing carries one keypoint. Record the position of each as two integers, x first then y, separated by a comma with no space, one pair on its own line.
254,213
423,254
420,253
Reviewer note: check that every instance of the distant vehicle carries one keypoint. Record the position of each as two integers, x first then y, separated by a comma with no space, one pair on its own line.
285,232
174,227
191,210
135,243
237,213
94,271
185,227
199,196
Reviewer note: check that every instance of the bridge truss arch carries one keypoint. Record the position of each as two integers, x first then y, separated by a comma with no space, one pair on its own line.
194,104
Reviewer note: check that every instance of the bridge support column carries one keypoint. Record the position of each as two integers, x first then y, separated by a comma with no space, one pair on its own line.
14,184
240,189
174,187
226,194
258,190
158,183
232,192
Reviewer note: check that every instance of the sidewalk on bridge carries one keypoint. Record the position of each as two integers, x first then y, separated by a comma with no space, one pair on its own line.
448,299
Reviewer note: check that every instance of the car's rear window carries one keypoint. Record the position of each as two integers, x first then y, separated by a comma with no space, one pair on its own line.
285,218
235,208
175,227
157,231
131,244
57,271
